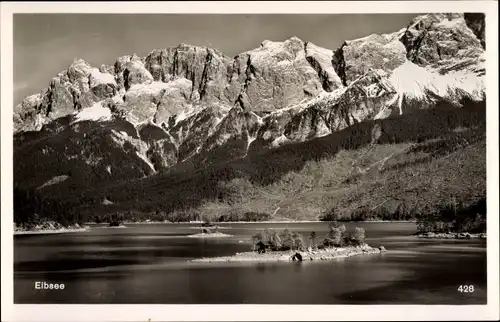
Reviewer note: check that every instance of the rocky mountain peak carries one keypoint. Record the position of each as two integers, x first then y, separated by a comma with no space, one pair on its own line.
438,40
79,63
476,22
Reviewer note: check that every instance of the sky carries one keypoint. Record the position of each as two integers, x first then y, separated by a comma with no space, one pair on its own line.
46,44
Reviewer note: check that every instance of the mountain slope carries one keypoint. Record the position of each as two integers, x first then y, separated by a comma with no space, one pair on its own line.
384,159
181,116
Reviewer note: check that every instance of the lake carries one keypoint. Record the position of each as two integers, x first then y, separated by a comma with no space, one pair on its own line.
148,264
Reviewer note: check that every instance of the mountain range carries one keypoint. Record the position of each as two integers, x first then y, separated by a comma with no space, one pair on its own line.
288,129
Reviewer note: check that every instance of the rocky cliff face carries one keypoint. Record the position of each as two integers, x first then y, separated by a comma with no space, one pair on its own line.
194,104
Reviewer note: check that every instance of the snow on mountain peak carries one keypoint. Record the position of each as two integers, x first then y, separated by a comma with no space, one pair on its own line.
96,112
413,81
98,78
451,23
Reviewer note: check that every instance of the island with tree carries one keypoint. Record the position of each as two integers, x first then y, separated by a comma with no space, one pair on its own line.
209,230
454,221
271,245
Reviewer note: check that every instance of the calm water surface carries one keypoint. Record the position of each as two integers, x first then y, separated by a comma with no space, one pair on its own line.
147,264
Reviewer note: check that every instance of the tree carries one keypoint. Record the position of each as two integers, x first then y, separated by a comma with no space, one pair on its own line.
358,236
336,224
256,238
330,215
333,238
312,237
274,240
298,241
207,221
31,208
287,240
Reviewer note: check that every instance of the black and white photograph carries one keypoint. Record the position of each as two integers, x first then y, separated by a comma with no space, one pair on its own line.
251,158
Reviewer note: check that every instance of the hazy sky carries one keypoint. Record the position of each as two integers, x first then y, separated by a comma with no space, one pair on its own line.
45,44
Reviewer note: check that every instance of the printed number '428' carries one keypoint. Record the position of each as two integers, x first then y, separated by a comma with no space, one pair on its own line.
466,288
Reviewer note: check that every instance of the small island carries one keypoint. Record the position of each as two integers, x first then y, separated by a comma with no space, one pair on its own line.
115,221
209,230
270,245
451,235
451,223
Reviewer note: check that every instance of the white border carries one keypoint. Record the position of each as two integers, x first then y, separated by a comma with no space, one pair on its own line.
248,312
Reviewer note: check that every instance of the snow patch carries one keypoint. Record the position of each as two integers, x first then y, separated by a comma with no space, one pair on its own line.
185,114
452,24
259,119
223,138
153,88
285,63
107,202
323,130
413,81
94,113
98,78
282,139
250,140
146,160
54,180
385,112
117,138
219,118
327,98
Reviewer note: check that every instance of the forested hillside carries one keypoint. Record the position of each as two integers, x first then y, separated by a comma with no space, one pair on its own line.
392,169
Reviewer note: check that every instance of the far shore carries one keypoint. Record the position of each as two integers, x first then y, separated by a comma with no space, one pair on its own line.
251,222
432,235
209,235
286,256
50,231
54,229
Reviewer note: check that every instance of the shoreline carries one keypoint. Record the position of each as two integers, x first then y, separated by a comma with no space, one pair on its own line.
50,231
209,235
286,256
256,222
113,227
210,227
432,235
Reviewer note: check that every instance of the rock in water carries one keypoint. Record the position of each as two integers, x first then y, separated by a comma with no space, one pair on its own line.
297,256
